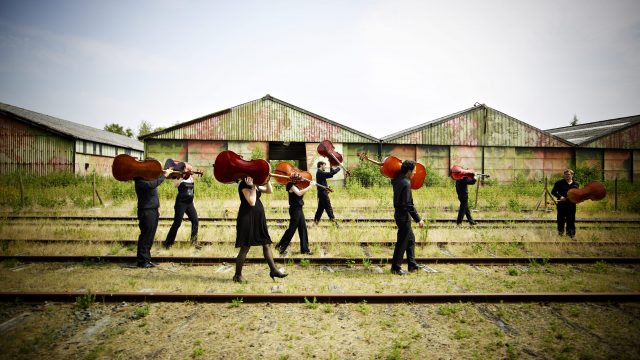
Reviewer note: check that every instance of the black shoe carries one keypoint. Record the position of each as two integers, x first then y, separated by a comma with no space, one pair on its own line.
277,274
166,246
147,265
239,279
415,267
472,222
398,272
307,253
560,233
196,245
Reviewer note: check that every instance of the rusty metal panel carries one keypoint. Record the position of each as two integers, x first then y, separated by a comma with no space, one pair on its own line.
162,150
556,160
265,119
591,158
87,164
628,138
246,149
351,151
636,165
617,164
476,127
402,152
202,154
469,157
499,162
529,163
434,157
26,148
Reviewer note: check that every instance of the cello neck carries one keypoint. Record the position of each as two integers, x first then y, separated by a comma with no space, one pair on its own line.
301,179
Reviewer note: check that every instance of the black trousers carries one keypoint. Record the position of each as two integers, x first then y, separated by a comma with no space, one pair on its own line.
566,214
148,224
324,203
296,222
179,209
406,242
464,209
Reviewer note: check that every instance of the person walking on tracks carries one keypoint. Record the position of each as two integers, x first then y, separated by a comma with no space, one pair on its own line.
463,197
296,220
148,215
184,203
251,227
324,203
566,209
404,212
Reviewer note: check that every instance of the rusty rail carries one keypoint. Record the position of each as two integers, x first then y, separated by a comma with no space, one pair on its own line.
325,298
189,260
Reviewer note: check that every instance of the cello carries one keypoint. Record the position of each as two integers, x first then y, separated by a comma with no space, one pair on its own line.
326,149
230,167
285,172
180,169
126,167
594,190
458,173
391,165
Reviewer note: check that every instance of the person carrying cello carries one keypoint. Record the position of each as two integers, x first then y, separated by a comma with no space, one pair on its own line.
184,203
296,219
566,209
324,203
463,197
404,212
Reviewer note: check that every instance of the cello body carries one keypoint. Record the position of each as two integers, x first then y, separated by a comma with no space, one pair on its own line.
230,167
286,169
126,167
326,149
458,173
390,167
594,190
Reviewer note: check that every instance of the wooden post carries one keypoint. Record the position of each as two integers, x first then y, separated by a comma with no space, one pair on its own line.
545,193
94,188
615,194
475,205
21,190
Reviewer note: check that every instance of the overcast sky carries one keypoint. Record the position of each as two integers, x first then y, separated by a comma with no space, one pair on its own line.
376,66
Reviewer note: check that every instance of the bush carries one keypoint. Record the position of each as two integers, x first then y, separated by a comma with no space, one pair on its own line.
584,175
367,175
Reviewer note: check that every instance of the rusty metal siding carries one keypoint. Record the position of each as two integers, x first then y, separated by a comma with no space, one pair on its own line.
264,120
476,127
628,138
591,158
617,164
469,157
435,158
87,164
26,148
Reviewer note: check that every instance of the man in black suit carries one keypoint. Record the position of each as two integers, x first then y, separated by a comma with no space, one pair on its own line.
148,215
566,209
324,203
463,197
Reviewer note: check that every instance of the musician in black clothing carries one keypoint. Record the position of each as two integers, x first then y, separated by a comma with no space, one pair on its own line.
184,203
297,220
566,209
324,203
463,197
148,215
404,212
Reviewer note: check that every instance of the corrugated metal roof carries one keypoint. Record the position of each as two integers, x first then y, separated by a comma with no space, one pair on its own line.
585,133
71,129
477,126
264,119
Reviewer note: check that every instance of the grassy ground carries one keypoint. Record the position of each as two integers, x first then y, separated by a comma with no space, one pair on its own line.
315,330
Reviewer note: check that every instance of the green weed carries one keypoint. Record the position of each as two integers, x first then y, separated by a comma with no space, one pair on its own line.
235,303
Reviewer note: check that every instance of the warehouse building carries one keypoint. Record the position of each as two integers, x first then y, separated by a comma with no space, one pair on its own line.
40,144
485,140
266,128
611,146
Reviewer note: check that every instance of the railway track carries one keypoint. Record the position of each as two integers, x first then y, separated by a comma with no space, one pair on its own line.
334,261
324,298
387,243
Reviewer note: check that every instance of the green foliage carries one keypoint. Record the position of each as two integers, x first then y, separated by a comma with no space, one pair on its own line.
600,267
85,301
198,350
257,154
142,311
449,309
584,175
235,303
305,263
367,174
311,304
514,205
513,272
433,178
364,308
460,334
118,129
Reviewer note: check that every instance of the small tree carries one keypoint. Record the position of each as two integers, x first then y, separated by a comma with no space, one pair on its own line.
144,128
118,129
575,120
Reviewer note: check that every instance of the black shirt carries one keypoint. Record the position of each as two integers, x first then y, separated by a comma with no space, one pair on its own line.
147,192
461,186
402,199
322,176
561,188
294,199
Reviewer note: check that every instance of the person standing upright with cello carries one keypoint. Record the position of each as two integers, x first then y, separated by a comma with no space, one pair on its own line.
296,219
566,209
324,203
404,212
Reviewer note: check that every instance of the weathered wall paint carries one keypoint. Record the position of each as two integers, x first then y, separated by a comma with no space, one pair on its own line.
591,158
617,164
636,165
624,139
402,152
246,149
264,120
202,154
29,149
435,158
162,150
469,157
87,164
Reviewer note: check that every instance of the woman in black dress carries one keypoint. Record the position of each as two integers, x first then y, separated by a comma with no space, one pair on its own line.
251,227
